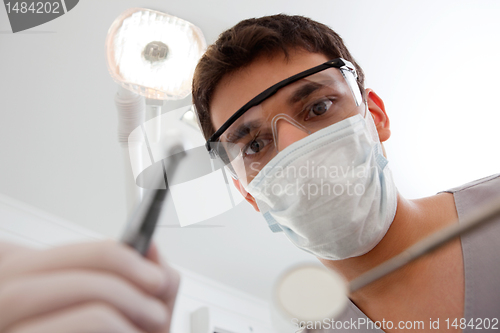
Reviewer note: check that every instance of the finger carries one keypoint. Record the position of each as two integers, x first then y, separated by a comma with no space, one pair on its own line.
86,318
7,248
44,293
169,293
153,254
105,256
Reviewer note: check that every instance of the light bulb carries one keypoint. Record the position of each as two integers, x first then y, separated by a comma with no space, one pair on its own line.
153,54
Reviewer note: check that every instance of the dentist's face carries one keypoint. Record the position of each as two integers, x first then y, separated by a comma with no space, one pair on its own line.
238,88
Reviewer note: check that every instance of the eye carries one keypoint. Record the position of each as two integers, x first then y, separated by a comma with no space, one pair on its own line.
255,146
318,108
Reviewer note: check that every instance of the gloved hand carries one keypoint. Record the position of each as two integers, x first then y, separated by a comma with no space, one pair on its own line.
91,287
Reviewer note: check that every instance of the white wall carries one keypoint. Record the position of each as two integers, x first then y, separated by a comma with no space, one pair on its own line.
435,64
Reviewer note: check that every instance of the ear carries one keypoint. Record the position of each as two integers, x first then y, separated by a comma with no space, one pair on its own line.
377,109
248,197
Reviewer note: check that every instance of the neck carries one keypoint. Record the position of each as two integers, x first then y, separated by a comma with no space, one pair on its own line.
414,220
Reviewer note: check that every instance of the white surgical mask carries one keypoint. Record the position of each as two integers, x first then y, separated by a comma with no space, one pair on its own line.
331,193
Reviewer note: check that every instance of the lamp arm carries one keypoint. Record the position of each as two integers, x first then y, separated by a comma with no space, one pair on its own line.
131,110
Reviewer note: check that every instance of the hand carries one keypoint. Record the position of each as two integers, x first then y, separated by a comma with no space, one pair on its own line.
85,288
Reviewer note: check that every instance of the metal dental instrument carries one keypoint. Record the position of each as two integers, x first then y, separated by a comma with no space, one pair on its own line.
142,222
477,218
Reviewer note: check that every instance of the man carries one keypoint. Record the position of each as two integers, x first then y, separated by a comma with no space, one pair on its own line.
282,104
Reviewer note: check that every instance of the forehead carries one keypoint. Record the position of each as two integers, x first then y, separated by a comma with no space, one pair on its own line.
236,89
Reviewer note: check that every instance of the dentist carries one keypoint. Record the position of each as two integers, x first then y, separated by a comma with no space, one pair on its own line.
283,106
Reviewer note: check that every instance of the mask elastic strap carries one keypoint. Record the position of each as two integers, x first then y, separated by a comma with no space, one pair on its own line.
372,130
271,223
288,118
370,124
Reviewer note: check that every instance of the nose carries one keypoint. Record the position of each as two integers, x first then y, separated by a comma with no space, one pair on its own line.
287,133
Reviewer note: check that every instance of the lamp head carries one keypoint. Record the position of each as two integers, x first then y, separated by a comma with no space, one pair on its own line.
153,54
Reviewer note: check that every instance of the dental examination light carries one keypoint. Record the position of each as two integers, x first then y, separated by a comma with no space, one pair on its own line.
152,56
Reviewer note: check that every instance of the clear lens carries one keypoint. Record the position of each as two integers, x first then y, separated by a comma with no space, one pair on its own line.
308,105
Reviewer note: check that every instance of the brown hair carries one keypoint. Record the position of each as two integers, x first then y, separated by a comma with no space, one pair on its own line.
239,46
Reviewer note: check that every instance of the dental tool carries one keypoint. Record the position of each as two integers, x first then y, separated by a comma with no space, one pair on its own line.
480,217
143,220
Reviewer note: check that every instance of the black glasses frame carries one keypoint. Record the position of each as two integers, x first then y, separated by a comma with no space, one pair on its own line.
335,63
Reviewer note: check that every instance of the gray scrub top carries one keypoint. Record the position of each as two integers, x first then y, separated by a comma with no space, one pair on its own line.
481,254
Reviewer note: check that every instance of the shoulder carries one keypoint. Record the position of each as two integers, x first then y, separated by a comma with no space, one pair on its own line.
480,249
474,194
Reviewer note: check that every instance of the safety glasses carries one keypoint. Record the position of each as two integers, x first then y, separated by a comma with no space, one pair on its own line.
308,101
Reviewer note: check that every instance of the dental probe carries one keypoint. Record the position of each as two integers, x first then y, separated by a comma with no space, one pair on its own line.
142,221
477,218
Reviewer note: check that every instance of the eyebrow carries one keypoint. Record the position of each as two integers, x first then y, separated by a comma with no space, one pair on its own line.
243,130
304,91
